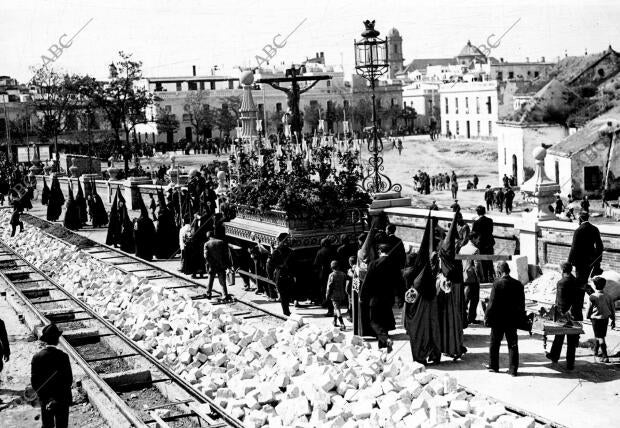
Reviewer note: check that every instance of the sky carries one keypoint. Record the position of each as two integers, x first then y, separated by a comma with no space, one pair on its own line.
170,36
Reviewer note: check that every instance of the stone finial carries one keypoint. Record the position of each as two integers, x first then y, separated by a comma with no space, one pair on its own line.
541,188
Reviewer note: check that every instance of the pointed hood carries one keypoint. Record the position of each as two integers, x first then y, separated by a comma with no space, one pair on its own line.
451,268
80,200
114,224
72,213
71,198
143,211
161,199
424,281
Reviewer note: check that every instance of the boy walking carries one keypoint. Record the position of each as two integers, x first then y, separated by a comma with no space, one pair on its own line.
601,308
336,292
15,221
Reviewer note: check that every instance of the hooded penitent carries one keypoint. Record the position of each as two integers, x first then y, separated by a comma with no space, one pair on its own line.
127,242
452,269
114,226
55,202
72,213
144,233
45,194
420,315
166,233
98,214
80,201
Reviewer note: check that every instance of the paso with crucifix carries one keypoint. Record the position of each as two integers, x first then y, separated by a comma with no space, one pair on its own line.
294,76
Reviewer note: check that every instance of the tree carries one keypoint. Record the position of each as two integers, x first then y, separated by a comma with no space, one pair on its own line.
165,121
123,100
225,120
59,97
362,112
201,116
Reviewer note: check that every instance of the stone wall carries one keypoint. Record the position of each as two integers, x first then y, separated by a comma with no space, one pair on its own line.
546,243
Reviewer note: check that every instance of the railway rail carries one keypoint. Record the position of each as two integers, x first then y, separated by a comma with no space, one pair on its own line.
37,290
129,263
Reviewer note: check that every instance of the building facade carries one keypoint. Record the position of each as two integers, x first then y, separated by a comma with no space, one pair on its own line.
469,109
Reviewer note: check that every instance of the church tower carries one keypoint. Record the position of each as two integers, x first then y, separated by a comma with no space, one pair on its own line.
395,52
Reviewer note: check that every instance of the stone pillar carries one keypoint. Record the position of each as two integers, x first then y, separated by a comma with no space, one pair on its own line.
541,189
132,191
528,231
248,109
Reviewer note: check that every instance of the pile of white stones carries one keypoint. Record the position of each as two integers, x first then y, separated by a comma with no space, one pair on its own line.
295,375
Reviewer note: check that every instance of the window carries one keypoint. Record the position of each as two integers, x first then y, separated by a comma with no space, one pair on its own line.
192,86
168,109
466,105
447,127
478,130
329,83
158,86
457,128
260,110
557,172
591,178
186,117
456,110
601,72
278,107
511,75
490,128
478,107
231,84
504,152
392,102
500,75
446,103
202,86
489,105
536,74
529,73
404,104
395,47
378,103
212,82
179,86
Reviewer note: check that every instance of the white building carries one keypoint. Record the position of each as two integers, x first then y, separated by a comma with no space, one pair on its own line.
422,96
469,109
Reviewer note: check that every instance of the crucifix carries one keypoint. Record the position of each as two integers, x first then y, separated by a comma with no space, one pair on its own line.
293,93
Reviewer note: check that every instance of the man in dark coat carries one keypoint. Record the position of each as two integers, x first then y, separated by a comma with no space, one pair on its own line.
218,260
51,378
322,261
505,310
396,246
280,271
509,196
489,197
566,301
144,233
382,283
585,254
483,226
5,349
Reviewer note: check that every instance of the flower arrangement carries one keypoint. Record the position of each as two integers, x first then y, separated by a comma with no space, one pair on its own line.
317,185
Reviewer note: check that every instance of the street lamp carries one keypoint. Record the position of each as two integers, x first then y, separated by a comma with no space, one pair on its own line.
371,61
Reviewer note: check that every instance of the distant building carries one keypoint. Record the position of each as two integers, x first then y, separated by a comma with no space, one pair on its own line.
469,109
395,52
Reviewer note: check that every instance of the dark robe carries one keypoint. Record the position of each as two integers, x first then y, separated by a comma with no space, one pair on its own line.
99,215
144,234
421,318
114,226
166,232
72,213
56,201
379,289
45,193
80,201
127,242
193,253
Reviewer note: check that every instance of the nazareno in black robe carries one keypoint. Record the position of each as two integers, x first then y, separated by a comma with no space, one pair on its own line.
127,242
114,226
80,201
98,214
72,213
45,193
166,232
56,201
144,233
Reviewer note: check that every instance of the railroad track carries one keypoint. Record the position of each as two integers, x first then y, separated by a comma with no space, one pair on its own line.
83,327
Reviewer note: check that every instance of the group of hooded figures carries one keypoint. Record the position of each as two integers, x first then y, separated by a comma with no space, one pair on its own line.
78,209
430,285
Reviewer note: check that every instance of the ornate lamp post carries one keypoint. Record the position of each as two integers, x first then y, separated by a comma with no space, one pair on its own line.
371,61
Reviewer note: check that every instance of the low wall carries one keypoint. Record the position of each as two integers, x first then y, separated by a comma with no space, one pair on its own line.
545,243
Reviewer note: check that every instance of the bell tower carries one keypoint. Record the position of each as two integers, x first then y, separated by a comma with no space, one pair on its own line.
395,52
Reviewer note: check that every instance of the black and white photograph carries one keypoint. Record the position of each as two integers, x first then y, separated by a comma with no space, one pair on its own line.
335,214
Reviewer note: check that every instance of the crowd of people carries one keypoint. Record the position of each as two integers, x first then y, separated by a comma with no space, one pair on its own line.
425,183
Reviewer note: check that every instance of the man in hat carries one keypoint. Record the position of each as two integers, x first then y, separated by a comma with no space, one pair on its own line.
585,255
279,269
483,226
51,378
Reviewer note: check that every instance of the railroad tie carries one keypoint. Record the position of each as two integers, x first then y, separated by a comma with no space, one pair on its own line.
128,380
